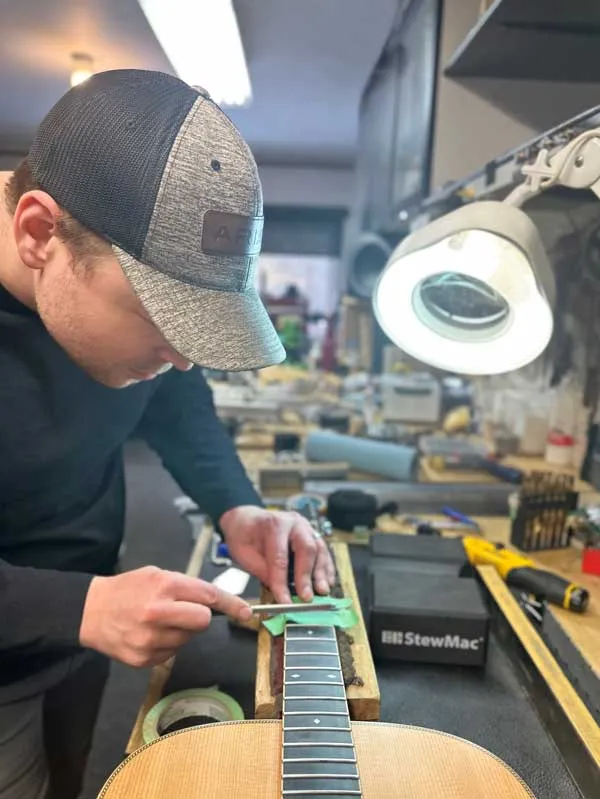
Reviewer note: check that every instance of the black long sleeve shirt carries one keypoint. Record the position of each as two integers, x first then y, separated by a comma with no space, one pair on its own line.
62,498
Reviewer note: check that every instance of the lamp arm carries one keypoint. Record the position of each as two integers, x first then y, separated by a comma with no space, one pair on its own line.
576,166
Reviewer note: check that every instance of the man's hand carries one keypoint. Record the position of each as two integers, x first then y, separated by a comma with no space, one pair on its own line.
260,540
142,617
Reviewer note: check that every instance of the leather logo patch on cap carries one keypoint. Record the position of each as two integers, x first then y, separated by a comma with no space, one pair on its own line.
231,234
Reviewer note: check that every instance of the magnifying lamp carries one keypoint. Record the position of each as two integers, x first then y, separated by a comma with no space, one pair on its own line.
473,291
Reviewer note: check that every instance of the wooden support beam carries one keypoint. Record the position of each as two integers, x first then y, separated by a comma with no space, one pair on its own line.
569,722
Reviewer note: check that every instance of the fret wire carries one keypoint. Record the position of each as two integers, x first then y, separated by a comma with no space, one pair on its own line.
309,638
311,711
320,792
319,759
321,698
315,696
311,668
321,776
336,654
311,682
314,638
316,654
312,743
306,699
314,713
329,667
317,729
319,640
316,624
313,654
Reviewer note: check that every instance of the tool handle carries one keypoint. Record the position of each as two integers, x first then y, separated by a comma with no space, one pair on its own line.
507,473
550,587
459,517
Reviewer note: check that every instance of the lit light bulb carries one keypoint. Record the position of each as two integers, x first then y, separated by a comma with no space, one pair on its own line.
82,68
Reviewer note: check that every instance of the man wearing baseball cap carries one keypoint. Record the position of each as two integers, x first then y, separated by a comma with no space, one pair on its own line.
128,246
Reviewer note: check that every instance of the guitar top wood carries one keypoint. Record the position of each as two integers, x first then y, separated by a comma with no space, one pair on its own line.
229,759
316,750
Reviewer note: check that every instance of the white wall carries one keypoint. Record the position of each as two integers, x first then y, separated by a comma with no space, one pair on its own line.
310,186
477,119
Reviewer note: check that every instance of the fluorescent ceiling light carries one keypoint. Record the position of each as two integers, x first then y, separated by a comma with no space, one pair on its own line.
82,68
202,41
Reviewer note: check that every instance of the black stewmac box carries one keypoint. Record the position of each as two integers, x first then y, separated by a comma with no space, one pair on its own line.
424,567
418,547
421,610
427,619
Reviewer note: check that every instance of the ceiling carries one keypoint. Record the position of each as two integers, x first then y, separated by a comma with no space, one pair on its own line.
306,67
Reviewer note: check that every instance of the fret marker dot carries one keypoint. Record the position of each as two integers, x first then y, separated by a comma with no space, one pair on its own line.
331,676
317,721
295,676
310,632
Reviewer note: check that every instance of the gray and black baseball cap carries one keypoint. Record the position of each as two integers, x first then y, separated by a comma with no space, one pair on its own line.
156,168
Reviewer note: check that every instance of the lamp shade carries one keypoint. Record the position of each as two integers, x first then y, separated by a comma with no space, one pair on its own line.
471,293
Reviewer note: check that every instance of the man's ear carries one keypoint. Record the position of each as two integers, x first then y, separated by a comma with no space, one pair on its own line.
34,228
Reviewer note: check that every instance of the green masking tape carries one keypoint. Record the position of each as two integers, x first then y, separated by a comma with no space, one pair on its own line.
174,710
344,616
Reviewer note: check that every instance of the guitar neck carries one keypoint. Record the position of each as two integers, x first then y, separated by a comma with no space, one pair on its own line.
318,755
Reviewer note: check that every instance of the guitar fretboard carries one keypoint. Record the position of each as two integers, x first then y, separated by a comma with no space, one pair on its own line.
318,750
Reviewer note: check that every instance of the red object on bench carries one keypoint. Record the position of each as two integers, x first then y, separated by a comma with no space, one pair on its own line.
590,563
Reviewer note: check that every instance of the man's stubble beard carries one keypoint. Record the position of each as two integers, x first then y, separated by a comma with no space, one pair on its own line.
67,336
70,333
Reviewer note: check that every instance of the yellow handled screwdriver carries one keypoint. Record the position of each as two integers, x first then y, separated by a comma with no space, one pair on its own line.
521,572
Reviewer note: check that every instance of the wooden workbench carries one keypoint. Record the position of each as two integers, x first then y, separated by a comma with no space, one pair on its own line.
583,629
432,475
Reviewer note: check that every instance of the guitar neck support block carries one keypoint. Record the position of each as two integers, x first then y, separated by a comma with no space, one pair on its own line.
362,689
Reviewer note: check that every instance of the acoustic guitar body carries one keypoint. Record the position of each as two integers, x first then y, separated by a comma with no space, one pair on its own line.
243,760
